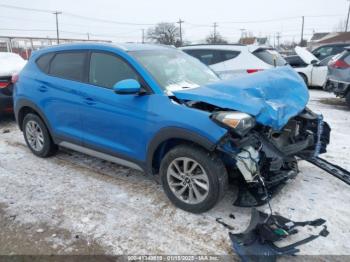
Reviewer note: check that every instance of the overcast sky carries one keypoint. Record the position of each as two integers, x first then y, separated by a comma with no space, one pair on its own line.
199,15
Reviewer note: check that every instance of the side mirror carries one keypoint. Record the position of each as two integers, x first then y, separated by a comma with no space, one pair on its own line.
127,86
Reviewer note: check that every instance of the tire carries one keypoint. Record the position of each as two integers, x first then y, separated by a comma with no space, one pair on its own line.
37,136
210,172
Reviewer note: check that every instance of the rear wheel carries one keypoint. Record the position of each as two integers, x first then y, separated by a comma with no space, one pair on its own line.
37,136
193,179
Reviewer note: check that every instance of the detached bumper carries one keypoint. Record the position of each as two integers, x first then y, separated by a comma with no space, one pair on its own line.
270,156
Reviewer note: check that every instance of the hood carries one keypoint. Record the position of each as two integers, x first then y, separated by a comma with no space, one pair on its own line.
305,55
272,96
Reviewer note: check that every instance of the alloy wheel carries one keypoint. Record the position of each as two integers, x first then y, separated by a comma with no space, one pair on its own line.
35,136
188,180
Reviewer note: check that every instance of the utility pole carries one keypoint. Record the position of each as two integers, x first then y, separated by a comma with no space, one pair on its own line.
347,20
180,25
88,36
57,31
143,36
215,25
302,31
278,36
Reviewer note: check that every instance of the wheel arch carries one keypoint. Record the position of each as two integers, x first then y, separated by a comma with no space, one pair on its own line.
24,107
168,138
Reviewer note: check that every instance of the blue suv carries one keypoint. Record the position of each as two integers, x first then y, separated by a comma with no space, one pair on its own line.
159,110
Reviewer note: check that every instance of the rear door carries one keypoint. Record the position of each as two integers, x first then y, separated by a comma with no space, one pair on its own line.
60,90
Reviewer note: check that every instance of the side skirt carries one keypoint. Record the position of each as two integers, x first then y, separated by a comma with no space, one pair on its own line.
101,155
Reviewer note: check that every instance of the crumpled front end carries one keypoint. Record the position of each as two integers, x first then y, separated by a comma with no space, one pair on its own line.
267,158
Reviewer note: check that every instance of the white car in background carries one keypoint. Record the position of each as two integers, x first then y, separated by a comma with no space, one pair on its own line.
233,60
313,71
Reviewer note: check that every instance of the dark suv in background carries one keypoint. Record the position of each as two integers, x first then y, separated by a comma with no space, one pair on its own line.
329,50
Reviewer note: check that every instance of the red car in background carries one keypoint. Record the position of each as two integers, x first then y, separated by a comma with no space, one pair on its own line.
10,65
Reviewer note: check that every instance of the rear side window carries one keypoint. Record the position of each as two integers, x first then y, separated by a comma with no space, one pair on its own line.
228,55
43,62
270,57
69,65
210,57
107,69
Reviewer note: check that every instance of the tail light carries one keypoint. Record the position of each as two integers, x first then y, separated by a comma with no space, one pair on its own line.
14,78
250,71
339,64
4,84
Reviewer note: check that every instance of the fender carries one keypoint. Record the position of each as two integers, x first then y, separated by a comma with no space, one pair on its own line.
22,102
175,133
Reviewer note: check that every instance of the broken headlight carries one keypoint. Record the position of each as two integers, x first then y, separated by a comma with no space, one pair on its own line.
239,122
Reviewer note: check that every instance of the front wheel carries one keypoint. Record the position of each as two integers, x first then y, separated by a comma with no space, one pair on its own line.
193,179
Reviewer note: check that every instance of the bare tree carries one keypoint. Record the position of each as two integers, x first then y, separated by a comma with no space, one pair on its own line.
215,38
165,33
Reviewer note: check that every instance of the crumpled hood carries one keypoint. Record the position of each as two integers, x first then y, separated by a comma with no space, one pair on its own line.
272,96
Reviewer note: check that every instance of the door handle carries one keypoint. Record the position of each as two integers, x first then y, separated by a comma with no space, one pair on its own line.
90,101
42,89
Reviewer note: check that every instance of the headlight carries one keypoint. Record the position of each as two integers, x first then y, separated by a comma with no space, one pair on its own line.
241,123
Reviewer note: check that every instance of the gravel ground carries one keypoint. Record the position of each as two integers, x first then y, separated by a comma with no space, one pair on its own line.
76,204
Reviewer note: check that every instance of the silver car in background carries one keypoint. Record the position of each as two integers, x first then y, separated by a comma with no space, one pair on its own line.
339,75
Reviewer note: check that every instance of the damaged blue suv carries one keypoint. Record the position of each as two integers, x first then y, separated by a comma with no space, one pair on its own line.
161,111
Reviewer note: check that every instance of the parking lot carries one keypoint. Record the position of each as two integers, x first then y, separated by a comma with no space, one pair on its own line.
76,204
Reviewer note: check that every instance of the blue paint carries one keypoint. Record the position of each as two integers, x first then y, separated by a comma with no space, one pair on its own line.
272,96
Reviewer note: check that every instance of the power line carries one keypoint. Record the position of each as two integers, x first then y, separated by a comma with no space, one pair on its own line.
27,9
74,15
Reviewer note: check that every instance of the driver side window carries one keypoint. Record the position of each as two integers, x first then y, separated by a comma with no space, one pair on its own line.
107,69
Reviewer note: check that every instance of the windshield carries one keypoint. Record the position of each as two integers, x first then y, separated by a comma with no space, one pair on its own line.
174,70
270,57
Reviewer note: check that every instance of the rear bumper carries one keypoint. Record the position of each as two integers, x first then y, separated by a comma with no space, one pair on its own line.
340,88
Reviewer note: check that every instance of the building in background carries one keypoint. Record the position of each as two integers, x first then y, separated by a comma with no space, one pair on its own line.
319,39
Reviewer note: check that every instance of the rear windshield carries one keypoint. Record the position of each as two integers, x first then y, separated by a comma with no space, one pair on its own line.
270,57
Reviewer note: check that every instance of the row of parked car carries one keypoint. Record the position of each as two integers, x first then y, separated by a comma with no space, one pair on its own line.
327,66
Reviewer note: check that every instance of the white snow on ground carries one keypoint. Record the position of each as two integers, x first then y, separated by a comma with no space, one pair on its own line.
128,213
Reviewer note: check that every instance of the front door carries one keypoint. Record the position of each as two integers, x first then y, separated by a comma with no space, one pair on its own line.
114,123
